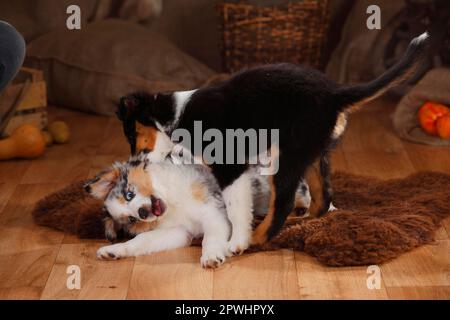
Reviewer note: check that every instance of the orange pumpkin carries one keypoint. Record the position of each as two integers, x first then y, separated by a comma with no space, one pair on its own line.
443,126
428,115
26,141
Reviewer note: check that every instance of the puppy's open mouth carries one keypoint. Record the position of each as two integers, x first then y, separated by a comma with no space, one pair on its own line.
158,206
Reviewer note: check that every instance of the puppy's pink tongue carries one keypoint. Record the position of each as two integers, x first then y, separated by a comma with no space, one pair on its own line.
157,208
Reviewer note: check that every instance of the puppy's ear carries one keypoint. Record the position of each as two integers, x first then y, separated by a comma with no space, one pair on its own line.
100,186
127,106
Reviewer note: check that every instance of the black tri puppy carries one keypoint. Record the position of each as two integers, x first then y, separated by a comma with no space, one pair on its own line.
309,110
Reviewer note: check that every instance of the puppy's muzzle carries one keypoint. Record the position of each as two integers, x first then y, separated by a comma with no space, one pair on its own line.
143,213
157,208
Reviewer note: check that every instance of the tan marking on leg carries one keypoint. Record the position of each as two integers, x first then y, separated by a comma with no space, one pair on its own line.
315,183
145,137
110,229
260,234
140,227
141,179
198,192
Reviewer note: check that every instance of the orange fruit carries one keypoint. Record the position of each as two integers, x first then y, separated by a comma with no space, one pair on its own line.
428,115
443,126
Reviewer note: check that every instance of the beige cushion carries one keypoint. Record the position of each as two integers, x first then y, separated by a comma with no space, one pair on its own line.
91,69
34,18
358,56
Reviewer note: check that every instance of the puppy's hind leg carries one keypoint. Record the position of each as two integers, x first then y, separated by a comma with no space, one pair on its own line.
325,171
238,198
318,179
283,186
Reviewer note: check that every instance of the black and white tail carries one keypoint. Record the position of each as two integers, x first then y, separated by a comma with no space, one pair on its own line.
351,96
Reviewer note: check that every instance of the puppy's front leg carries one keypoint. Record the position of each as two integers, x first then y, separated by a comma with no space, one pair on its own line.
216,232
146,243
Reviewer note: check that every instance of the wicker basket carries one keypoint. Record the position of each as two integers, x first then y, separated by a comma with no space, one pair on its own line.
255,35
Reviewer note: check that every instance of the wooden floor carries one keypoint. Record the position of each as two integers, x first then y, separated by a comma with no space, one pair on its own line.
34,260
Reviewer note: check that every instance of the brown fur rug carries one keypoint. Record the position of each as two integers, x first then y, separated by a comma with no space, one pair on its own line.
376,221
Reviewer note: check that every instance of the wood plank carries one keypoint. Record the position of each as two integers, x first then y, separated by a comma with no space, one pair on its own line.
338,161
24,273
47,169
23,239
428,158
114,142
26,270
99,279
27,251
73,239
425,266
264,275
317,281
12,171
6,190
174,274
372,149
419,293
18,233
20,293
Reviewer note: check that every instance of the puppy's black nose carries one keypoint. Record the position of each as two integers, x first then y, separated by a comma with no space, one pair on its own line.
132,219
143,213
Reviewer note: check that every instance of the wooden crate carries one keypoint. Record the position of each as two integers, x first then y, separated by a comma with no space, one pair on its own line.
24,101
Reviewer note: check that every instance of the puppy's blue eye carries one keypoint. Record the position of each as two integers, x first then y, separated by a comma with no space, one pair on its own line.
129,195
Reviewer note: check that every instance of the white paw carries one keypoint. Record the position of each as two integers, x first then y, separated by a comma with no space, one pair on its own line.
332,207
237,245
212,258
113,252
